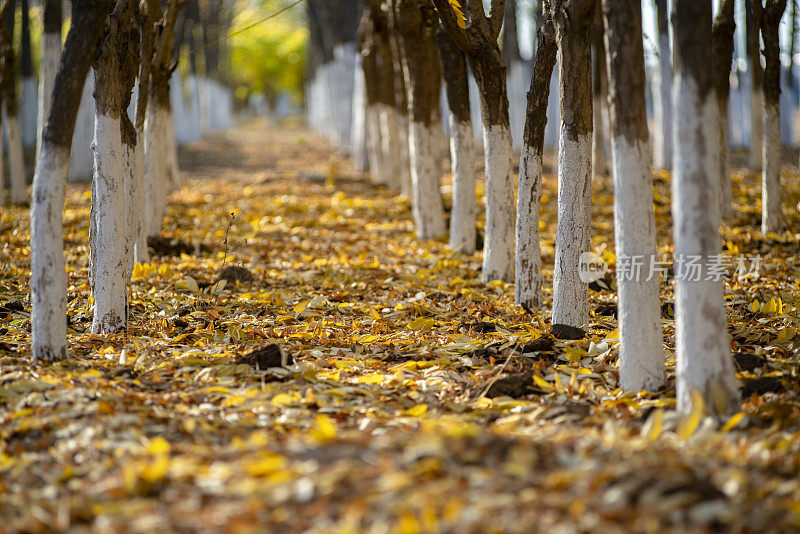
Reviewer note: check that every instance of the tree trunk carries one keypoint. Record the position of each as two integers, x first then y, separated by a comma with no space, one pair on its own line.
771,214
403,157
389,120
48,273
517,72
701,339
641,355
528,286
462,144
573,23
112,147
416,23
48,64
599,97
753,17
662,153
137,192
28,97
16,167
372,85
722,31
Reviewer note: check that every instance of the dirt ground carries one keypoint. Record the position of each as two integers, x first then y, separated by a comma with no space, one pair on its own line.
401,395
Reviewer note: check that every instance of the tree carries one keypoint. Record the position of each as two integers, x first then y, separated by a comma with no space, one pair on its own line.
136,190
368,48
403,159
28,107
722,33
599,96
662,153
641,356
113,147
16,166
573,23
416,24
517,72
160,152
462,144
704,363
771,214
48,65
752,23
528,282
48,273
478,40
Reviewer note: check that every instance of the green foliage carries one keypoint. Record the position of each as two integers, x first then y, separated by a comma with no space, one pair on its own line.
269,57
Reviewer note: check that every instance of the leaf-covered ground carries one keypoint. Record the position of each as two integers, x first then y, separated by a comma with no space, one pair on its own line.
413,398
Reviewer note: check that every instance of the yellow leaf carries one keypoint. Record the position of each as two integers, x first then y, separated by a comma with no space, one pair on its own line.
652,428
157,469
755,306
281,399
614,334
542,383
266,465
300,307
374,313
323,430
141,270
164,271
786,335
689,423
458,11
421,323
770,307
158,445
416,411
483,402
732,422
372,378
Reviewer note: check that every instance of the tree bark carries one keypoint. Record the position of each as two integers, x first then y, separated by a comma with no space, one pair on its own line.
641,355
599,97
29,105
528,280
48,65
771,216
416,24
462,144
722,31
701,339
662,153
403,158
573,23
753,20
137,228
16,162
48,273
368,48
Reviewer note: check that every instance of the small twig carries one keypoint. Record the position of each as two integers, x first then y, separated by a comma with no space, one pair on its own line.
499,371
230,223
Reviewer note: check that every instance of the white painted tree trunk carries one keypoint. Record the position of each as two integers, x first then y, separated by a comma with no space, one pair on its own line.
528,280
157,168
641,353
498,249
377,170
756,132
48,270
48,66
138,192
426,200
518,77
570,295
193,111
599,163
464,210
702,344
404,156
391,146
771,214
108,246
173,177
132,210
358,135
81,161
662,135
16,167
723,151
27,112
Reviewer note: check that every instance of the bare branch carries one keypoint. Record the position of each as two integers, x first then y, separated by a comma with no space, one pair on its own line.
457,34
496,17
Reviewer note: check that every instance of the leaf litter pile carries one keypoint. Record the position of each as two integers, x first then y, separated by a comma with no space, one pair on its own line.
298,361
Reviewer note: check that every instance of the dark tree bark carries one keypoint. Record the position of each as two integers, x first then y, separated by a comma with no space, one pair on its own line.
701,340
641,353
528,286
51,51
722,31
369,49
17,178
48,274
573,23
772,217
510,35
479,42
599,96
